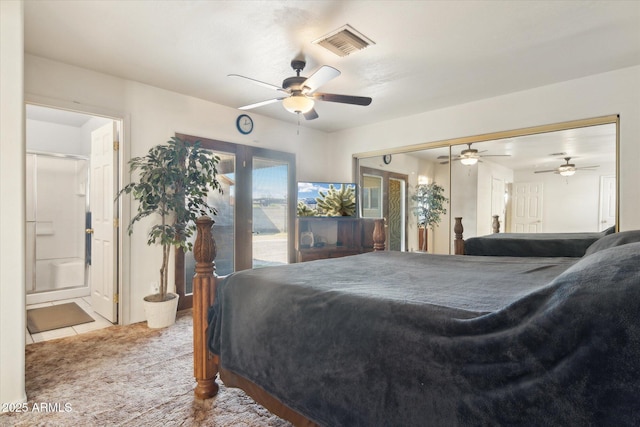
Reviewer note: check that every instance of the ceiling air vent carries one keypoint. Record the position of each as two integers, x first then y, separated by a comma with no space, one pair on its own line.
344,41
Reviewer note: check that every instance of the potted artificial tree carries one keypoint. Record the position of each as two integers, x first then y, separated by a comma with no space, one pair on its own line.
172,183
429,206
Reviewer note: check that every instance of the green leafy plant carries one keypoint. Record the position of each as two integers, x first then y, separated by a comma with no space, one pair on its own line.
304,210
430,205
173,181
337,202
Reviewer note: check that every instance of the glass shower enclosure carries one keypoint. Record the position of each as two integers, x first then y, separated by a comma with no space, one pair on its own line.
58,253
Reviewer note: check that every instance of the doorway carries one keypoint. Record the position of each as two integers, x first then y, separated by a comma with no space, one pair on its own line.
63,199
384,195
607,202
255,223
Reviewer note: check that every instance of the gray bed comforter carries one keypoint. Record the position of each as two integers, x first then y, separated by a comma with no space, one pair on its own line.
532,244
400,339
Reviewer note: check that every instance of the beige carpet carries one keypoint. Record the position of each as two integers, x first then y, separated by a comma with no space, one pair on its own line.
56,317
127,376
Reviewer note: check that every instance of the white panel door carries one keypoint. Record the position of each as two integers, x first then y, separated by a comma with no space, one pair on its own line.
103,214
607,202
527,207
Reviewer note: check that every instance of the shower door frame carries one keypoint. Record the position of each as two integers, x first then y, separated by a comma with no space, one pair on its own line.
63,293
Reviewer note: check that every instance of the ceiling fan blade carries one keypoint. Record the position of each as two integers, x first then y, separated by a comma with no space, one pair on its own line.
588,167
344,99
320,77
495,155
258,82
550,170
260,104
311,114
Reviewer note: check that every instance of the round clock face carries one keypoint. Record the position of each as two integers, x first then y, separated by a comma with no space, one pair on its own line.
386,159
244,124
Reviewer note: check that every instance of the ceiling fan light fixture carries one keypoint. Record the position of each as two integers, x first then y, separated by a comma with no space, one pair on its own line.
298,104
469,157
469,161
566,170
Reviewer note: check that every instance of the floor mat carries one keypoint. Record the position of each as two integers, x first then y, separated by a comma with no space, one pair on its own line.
56,317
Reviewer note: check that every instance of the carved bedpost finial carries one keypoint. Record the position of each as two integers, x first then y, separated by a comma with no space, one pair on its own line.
378,235
495,224
205,366
204,248
458,242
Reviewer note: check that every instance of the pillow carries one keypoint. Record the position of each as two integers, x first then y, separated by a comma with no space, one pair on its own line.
611,240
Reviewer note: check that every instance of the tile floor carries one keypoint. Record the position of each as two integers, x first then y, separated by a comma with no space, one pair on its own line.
85,304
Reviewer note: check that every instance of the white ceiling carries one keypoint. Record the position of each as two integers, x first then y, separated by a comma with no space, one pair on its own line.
427,54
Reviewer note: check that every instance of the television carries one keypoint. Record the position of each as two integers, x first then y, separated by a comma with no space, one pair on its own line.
327,199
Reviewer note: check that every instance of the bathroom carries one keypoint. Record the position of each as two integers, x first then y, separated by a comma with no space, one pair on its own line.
58,250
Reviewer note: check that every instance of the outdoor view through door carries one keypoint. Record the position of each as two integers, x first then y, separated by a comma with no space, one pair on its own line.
256,212
269,205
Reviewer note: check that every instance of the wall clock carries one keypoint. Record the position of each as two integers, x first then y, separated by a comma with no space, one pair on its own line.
244,124
386,159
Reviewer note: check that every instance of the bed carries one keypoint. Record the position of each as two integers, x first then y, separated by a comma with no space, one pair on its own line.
528,244
389,338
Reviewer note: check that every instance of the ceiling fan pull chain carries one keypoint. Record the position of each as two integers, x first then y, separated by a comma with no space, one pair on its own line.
298,130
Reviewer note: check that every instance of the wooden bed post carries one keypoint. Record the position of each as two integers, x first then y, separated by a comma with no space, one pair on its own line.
458,242
205,366
378,235
495,224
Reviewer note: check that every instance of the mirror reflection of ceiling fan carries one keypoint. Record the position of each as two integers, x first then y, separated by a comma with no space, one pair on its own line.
299,93
568,169
470,156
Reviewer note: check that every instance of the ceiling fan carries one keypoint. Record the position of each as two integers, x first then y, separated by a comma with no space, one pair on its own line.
470,156
299,93
567,169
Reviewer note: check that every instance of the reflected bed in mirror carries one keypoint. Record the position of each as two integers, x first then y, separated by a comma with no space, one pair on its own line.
517,176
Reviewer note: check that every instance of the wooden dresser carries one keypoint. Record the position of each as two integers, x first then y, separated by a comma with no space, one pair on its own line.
334,237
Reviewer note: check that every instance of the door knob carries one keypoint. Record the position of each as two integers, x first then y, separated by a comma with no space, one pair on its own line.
89,231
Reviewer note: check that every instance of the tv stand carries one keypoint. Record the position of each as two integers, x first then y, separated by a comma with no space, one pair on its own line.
334,237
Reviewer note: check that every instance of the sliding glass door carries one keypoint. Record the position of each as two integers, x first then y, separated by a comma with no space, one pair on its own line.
256,212
270,212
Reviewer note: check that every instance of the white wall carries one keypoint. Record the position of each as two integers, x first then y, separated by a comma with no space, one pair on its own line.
154,115
569,204
62,139
53,138
487,172
12,210
616,92
464,185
